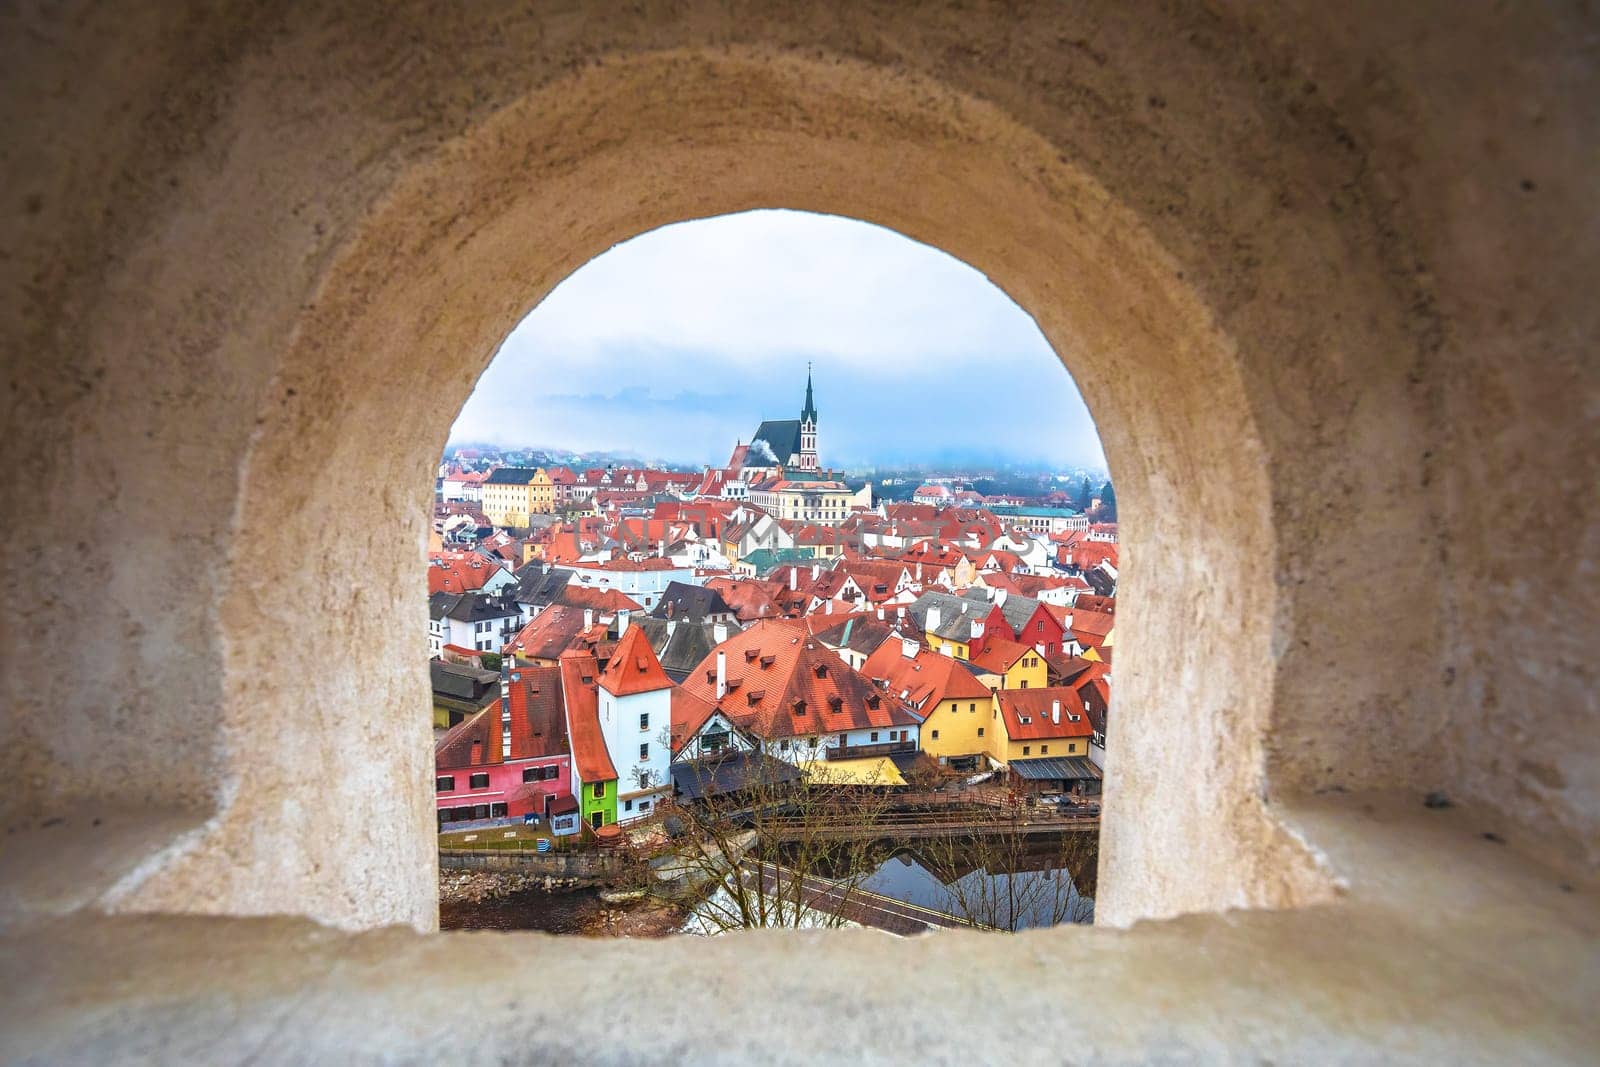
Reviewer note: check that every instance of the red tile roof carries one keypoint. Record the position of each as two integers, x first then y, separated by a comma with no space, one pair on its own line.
999,655
579,687
924,680
1036,705
538,714
784,683
609,601
690,711
472,742
633,667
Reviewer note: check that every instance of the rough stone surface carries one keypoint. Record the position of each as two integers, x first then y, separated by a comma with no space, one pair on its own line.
1325,275
1459,957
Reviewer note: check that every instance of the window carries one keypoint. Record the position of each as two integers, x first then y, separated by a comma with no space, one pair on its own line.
874,735
1044,750
444,783
644,720
980,731
644,805
1026,750
498,811
1024,685
479,781
1041,626
599,789
627,805
972,707
936,735
644,752
540,774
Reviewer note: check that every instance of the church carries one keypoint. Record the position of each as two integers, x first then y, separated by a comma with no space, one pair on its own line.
787,443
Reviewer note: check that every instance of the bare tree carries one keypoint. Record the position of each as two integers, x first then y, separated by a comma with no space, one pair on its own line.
762,844
999,875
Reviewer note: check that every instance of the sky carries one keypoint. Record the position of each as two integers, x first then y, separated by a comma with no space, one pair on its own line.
678,343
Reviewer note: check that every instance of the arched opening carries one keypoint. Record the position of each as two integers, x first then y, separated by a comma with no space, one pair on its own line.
919,565
1341,329
462,244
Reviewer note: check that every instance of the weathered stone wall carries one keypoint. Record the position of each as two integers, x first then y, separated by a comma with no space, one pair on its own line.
589,867
1324,276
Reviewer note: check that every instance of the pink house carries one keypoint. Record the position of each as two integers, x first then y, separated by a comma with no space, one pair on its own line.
510,759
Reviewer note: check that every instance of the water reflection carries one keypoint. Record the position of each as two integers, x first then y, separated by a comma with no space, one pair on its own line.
1004,900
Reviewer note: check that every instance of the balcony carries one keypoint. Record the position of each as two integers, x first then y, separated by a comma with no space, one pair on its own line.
868,751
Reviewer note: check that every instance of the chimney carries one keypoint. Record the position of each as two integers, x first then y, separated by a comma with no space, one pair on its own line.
719,632
672,626
722,674
999,597
1055,711
622,621
814,570
909,648
794,578
829,609
588,618
880,612
933,618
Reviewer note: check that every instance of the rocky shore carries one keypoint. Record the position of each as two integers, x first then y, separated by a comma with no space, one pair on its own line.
475,887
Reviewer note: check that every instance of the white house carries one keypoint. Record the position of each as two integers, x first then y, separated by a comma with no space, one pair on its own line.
636,720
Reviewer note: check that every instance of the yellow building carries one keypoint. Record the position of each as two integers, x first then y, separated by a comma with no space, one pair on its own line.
508,495
1008,665
542,493
1031,723
804,497
957,707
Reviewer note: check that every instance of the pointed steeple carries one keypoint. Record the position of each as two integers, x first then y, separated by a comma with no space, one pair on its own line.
809,412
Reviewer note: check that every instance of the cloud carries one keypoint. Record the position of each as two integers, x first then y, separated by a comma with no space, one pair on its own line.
680,341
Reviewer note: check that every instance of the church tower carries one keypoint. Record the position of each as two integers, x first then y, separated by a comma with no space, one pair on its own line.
808,429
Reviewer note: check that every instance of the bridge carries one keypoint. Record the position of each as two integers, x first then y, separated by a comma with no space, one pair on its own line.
913,825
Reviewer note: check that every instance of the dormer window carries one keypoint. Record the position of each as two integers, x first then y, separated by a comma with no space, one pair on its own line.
750,654
799,707
822,670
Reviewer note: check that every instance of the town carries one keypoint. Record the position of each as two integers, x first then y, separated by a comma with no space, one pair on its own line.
619,653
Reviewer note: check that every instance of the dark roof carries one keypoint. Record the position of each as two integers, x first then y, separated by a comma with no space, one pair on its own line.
690,603
511,476
858,634
470,607
781,435
688,643
1016,610
540,584
731,773
461,682
1055,768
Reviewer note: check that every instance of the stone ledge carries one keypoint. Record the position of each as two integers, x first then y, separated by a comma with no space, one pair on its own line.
1445,947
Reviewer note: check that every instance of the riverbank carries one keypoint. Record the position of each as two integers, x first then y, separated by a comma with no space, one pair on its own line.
505,900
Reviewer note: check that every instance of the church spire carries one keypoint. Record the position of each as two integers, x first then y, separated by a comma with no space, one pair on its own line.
809,412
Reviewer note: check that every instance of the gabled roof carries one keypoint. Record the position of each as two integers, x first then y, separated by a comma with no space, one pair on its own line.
781,682
633,667
556,630
859,633
579,689
609,601
472,742
679,645
690,603
999,655
1035,706
539,584
470,607
538,713
458,681
782,437
923,679
512,476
